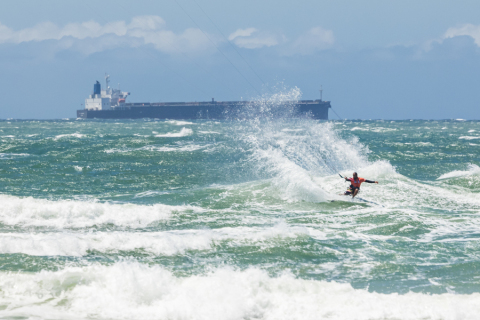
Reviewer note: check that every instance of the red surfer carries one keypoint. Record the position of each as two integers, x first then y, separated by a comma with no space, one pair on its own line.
355,183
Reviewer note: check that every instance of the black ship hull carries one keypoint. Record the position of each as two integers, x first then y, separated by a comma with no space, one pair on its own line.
214,110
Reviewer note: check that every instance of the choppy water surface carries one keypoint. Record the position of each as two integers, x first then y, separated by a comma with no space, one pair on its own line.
234,219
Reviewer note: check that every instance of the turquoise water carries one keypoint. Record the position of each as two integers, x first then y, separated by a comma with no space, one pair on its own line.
235,220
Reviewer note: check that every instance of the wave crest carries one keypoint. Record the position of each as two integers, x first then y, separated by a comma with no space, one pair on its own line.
129,290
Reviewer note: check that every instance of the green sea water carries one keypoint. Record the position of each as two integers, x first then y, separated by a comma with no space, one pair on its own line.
239,219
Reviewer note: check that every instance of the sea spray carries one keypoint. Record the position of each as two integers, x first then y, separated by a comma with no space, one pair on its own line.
294,151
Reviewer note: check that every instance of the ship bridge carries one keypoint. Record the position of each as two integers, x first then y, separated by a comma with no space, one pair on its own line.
108,99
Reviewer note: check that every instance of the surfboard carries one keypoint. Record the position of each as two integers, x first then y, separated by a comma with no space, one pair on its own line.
359,200
366,201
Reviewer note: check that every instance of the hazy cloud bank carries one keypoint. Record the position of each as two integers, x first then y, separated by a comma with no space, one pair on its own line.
90,37
140,31
314,40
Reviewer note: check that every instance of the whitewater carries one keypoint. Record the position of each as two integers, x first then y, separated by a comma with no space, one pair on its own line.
239,218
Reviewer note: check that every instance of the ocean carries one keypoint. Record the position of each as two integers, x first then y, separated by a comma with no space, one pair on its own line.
239,219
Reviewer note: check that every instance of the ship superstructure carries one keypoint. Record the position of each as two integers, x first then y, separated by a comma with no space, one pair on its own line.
110,104
108,99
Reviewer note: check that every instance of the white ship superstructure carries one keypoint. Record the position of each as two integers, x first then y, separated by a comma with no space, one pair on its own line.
108,99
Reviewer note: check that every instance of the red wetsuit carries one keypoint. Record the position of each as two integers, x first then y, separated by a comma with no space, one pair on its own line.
355,184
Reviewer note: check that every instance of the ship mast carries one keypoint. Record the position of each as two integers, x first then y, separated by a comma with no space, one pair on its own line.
321,92
107,80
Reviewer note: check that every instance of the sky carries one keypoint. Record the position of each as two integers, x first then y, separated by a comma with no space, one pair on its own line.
374,60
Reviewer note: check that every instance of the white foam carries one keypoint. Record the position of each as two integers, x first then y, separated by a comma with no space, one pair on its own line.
150,193
183,133
291,183
294,160
154,243
472,170
70,135
424,144
382,129
79,244
79,214
359,129
12,155
187,148
292,130
397,192
413,194
178,122
374,171
129,290
373,129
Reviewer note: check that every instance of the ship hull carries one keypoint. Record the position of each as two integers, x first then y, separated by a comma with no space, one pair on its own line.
201,110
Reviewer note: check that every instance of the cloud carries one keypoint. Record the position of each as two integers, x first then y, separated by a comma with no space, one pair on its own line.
453,44
465,30
242,33
251,38
90,36
141,30
315,39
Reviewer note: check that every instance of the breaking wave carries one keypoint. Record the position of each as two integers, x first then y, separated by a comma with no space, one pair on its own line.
472,170
183,133
129,290
16,211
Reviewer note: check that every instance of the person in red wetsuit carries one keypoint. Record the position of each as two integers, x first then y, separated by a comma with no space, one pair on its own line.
355,183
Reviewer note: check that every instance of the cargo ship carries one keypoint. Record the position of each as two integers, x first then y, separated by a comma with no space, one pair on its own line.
111,104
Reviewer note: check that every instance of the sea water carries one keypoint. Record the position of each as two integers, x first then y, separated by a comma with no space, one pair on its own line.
239,219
